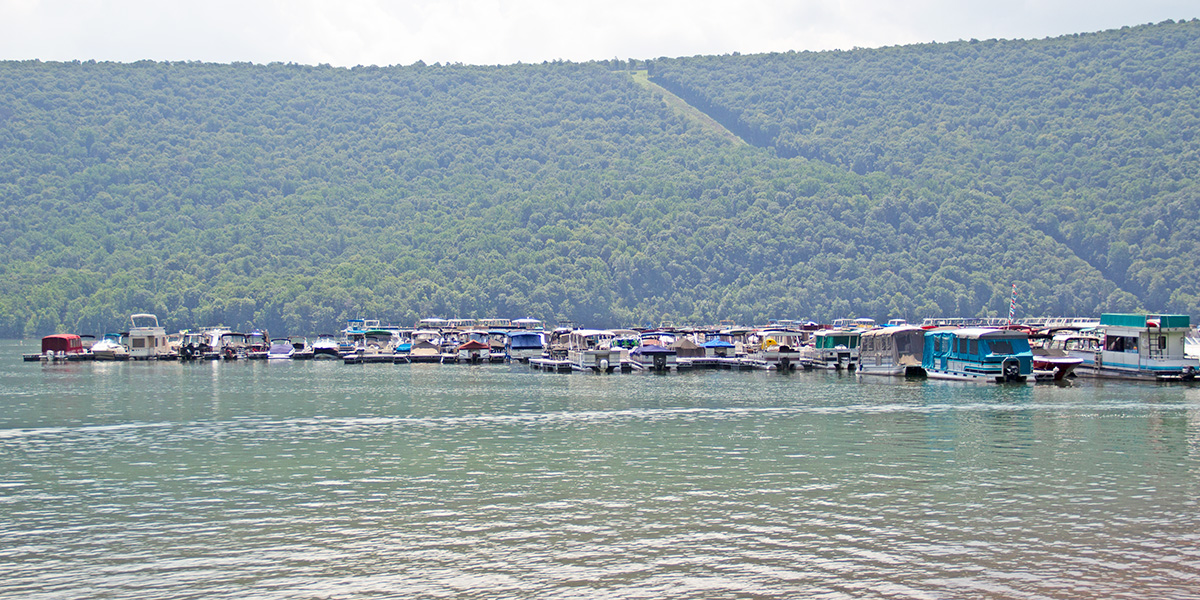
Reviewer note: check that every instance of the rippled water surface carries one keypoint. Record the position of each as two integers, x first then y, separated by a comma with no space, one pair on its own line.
322,480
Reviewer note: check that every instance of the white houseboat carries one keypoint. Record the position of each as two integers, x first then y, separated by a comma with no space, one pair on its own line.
1141,347
147,340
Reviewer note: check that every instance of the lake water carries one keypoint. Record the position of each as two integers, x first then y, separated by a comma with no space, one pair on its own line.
324,480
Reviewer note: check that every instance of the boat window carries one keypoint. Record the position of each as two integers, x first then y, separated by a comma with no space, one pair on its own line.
974,346
1162,342
902,344
937,344
869,344
1001,346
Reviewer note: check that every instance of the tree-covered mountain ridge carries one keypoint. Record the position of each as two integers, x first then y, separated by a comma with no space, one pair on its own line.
1093,136
294,197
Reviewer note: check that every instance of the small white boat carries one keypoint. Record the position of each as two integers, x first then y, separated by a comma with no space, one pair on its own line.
326,348
281,348
110,348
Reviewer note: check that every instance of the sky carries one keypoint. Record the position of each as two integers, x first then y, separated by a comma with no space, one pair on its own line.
347,33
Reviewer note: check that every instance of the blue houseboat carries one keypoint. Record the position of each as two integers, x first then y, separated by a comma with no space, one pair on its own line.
978,354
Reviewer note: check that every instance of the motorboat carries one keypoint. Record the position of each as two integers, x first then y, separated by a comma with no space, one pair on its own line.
654,357
110,348
281,348
326,348
301,349
524,344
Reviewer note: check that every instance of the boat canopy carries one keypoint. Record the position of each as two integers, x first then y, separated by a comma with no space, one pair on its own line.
1145,321
62,343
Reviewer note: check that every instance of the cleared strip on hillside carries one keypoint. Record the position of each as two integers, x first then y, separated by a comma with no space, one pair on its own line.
684,109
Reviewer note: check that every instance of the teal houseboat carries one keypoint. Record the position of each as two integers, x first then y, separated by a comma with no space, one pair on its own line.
978,354
1141,347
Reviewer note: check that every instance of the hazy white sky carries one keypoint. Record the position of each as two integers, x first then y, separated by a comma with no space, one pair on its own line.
389,32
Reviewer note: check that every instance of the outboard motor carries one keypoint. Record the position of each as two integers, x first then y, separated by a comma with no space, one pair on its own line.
660,363
1012,370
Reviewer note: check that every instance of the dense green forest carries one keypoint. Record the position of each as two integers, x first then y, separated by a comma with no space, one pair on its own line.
1091,137
899,182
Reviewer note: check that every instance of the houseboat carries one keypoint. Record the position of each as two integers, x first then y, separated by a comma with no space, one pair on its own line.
978,354
892,351
147,340
835,349
591,350
1139,347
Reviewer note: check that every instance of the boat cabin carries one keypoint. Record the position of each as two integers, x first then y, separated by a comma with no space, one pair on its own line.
895,351
835,349
978,354
1147,347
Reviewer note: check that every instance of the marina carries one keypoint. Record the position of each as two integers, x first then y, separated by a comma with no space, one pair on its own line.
283,479
1139,347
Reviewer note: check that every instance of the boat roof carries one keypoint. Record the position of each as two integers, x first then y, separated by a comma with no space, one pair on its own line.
981,332
892,330
519,333
717,344
591,332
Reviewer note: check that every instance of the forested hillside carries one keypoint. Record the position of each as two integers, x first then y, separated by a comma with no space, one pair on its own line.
293,197
1092,138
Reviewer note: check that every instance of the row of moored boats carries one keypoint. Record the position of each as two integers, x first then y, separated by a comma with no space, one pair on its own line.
1124,346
